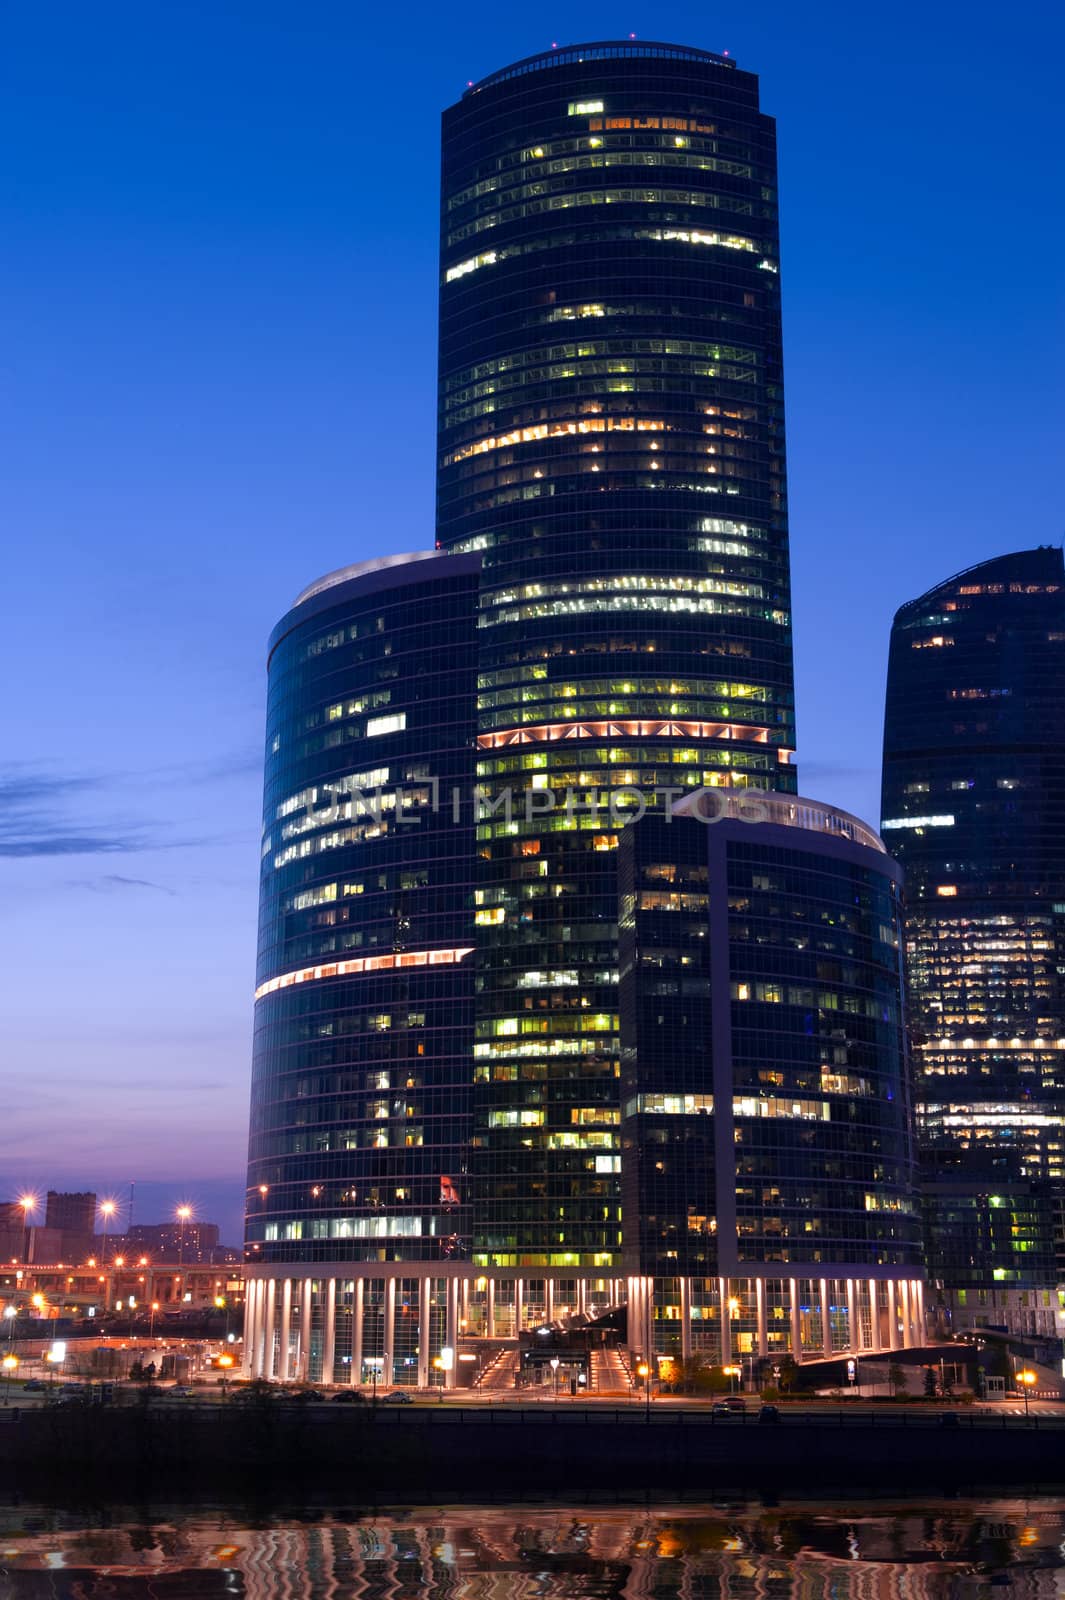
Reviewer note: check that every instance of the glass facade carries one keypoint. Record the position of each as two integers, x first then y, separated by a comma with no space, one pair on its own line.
974,810
766,1094
360,1119
611,442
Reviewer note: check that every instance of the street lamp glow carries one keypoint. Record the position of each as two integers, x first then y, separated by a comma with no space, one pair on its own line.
10,1363
28,1202
107,1208
184,1213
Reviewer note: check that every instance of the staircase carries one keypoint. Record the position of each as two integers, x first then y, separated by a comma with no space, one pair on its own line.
500,1374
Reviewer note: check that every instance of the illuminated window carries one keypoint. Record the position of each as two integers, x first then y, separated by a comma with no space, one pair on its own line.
394,723
584,108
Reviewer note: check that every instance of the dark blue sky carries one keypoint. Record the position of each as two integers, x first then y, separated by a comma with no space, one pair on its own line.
218,304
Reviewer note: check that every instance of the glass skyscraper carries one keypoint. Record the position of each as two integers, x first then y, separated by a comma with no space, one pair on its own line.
767,1134
974,810
439,1123
611,441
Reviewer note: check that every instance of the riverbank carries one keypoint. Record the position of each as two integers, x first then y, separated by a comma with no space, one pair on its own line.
543,1452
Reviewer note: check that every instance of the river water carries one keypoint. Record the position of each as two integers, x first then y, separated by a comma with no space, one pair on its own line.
949,1550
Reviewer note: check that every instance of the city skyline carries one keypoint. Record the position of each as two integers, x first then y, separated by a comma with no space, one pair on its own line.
145,1064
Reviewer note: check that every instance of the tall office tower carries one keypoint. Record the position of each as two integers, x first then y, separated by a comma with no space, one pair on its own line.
974,810
767,1139
611,442
358,1219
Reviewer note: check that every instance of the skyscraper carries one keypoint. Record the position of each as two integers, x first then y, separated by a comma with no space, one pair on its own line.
974,810
767,1137
439,1112
611,442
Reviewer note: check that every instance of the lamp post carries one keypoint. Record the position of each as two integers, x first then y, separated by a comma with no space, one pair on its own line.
644,1371
183,1215
554,1376
1026,1378
10,1313
10,1365
107,1211
28,1202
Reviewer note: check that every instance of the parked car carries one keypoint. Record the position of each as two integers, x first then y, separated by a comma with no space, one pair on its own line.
34,1385
769,1414
398,1397
180,1392
305,1395
349,1397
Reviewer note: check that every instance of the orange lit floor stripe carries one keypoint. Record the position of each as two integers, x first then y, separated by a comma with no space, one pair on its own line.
363,964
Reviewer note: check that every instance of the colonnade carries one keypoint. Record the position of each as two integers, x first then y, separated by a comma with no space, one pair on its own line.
414,1324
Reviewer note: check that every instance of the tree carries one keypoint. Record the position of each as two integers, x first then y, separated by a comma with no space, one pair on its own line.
929,1383
896,1377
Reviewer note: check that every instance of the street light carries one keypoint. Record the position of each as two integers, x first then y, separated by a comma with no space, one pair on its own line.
644,1371
10,1364
10,1313
1026,1380
151,1321
107,1211
183,1215
554,1375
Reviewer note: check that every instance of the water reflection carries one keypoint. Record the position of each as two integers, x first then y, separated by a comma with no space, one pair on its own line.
948,1552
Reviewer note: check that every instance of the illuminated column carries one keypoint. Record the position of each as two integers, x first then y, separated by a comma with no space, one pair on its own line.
267,1332
763,1329
917,1289
892,1317
490,1310
286,1330
907,1319
464,1311
582,1297
356,1331
685,1319
826,1321
424,1291
874,1313
388,1353
726,1322
519,1300
854,1327
549,1299
247,1364
796,1321
452,1330
329,1343
303,1358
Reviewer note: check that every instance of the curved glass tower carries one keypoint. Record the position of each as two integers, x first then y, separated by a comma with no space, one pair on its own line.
611,442
974,810
767,1105
360,1084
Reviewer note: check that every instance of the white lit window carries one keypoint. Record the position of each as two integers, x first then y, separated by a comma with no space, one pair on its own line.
394,723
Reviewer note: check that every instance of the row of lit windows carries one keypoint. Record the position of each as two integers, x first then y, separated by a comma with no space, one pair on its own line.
585,365
463,377
678,154
489,258
570,198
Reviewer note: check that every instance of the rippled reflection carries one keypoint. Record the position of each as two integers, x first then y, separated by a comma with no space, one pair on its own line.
945,1552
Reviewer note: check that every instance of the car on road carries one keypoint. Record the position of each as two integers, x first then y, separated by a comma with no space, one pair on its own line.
769,1414
398,1397
949,1419
179,1392
34,1386
349,1397
723,1412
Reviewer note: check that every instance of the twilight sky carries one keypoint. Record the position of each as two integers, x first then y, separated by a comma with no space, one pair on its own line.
217,367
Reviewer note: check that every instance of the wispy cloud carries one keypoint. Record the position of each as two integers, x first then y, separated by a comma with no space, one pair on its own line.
113,882
36,820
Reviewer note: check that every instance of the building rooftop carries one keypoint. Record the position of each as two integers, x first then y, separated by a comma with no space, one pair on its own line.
782,811
569,55
359,569
1044,564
